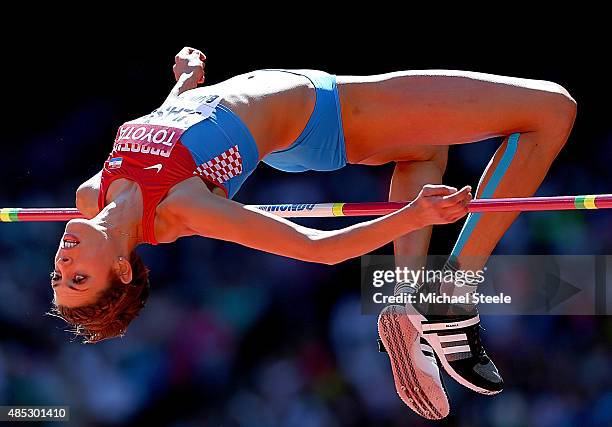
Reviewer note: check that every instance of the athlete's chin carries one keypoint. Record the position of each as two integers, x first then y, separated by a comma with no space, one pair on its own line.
75,225
83,229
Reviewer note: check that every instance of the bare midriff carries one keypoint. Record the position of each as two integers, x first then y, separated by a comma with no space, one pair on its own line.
274,105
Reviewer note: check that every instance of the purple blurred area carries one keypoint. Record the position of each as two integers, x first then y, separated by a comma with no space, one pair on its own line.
235,337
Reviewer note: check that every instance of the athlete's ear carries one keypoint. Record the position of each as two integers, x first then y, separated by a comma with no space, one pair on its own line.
124,270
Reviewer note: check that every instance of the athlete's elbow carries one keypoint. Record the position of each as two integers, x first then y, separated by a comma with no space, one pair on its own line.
327,259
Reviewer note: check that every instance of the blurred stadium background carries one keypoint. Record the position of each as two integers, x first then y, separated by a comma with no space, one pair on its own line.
234,337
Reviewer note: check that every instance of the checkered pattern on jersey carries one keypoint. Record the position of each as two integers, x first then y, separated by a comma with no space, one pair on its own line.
222,167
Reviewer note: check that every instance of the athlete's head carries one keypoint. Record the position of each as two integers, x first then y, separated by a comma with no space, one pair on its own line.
96,289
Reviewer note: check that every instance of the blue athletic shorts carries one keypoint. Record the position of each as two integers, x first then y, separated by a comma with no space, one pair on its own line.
321,145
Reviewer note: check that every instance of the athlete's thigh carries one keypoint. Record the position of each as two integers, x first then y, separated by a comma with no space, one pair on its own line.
435,107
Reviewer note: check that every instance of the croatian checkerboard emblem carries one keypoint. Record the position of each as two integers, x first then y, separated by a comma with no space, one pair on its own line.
223,167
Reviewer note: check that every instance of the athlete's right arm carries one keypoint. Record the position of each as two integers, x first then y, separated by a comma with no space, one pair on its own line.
220,218
188,71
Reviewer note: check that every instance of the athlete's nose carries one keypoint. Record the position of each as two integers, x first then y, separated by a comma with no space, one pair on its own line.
64,260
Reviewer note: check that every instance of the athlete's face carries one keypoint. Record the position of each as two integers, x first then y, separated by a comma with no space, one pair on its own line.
82,264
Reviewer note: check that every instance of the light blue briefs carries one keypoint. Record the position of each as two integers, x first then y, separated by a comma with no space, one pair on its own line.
224,143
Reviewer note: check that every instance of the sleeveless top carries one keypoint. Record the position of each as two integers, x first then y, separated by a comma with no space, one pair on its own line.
150,152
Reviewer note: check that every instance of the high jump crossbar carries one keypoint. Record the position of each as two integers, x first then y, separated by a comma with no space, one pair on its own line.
326,210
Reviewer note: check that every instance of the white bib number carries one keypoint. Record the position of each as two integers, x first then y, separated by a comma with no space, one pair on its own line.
182,112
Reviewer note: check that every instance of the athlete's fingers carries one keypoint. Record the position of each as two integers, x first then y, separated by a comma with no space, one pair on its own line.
196,65
184,52
459,205
189,60
430,190
461,197
448,216
455,212
196,55
189,53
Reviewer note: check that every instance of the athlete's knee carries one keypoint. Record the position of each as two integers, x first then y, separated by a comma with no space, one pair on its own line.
563,92
567,104
556,104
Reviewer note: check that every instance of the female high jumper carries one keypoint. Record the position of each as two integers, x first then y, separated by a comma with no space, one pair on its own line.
174,172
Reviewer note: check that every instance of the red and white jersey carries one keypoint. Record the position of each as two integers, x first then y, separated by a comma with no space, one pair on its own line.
149,151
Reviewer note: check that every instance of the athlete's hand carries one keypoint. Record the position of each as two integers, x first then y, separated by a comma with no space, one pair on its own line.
189,61
440,204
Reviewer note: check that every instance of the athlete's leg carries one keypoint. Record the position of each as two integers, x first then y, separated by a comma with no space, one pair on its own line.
389,117
516,170
416,372
407,180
